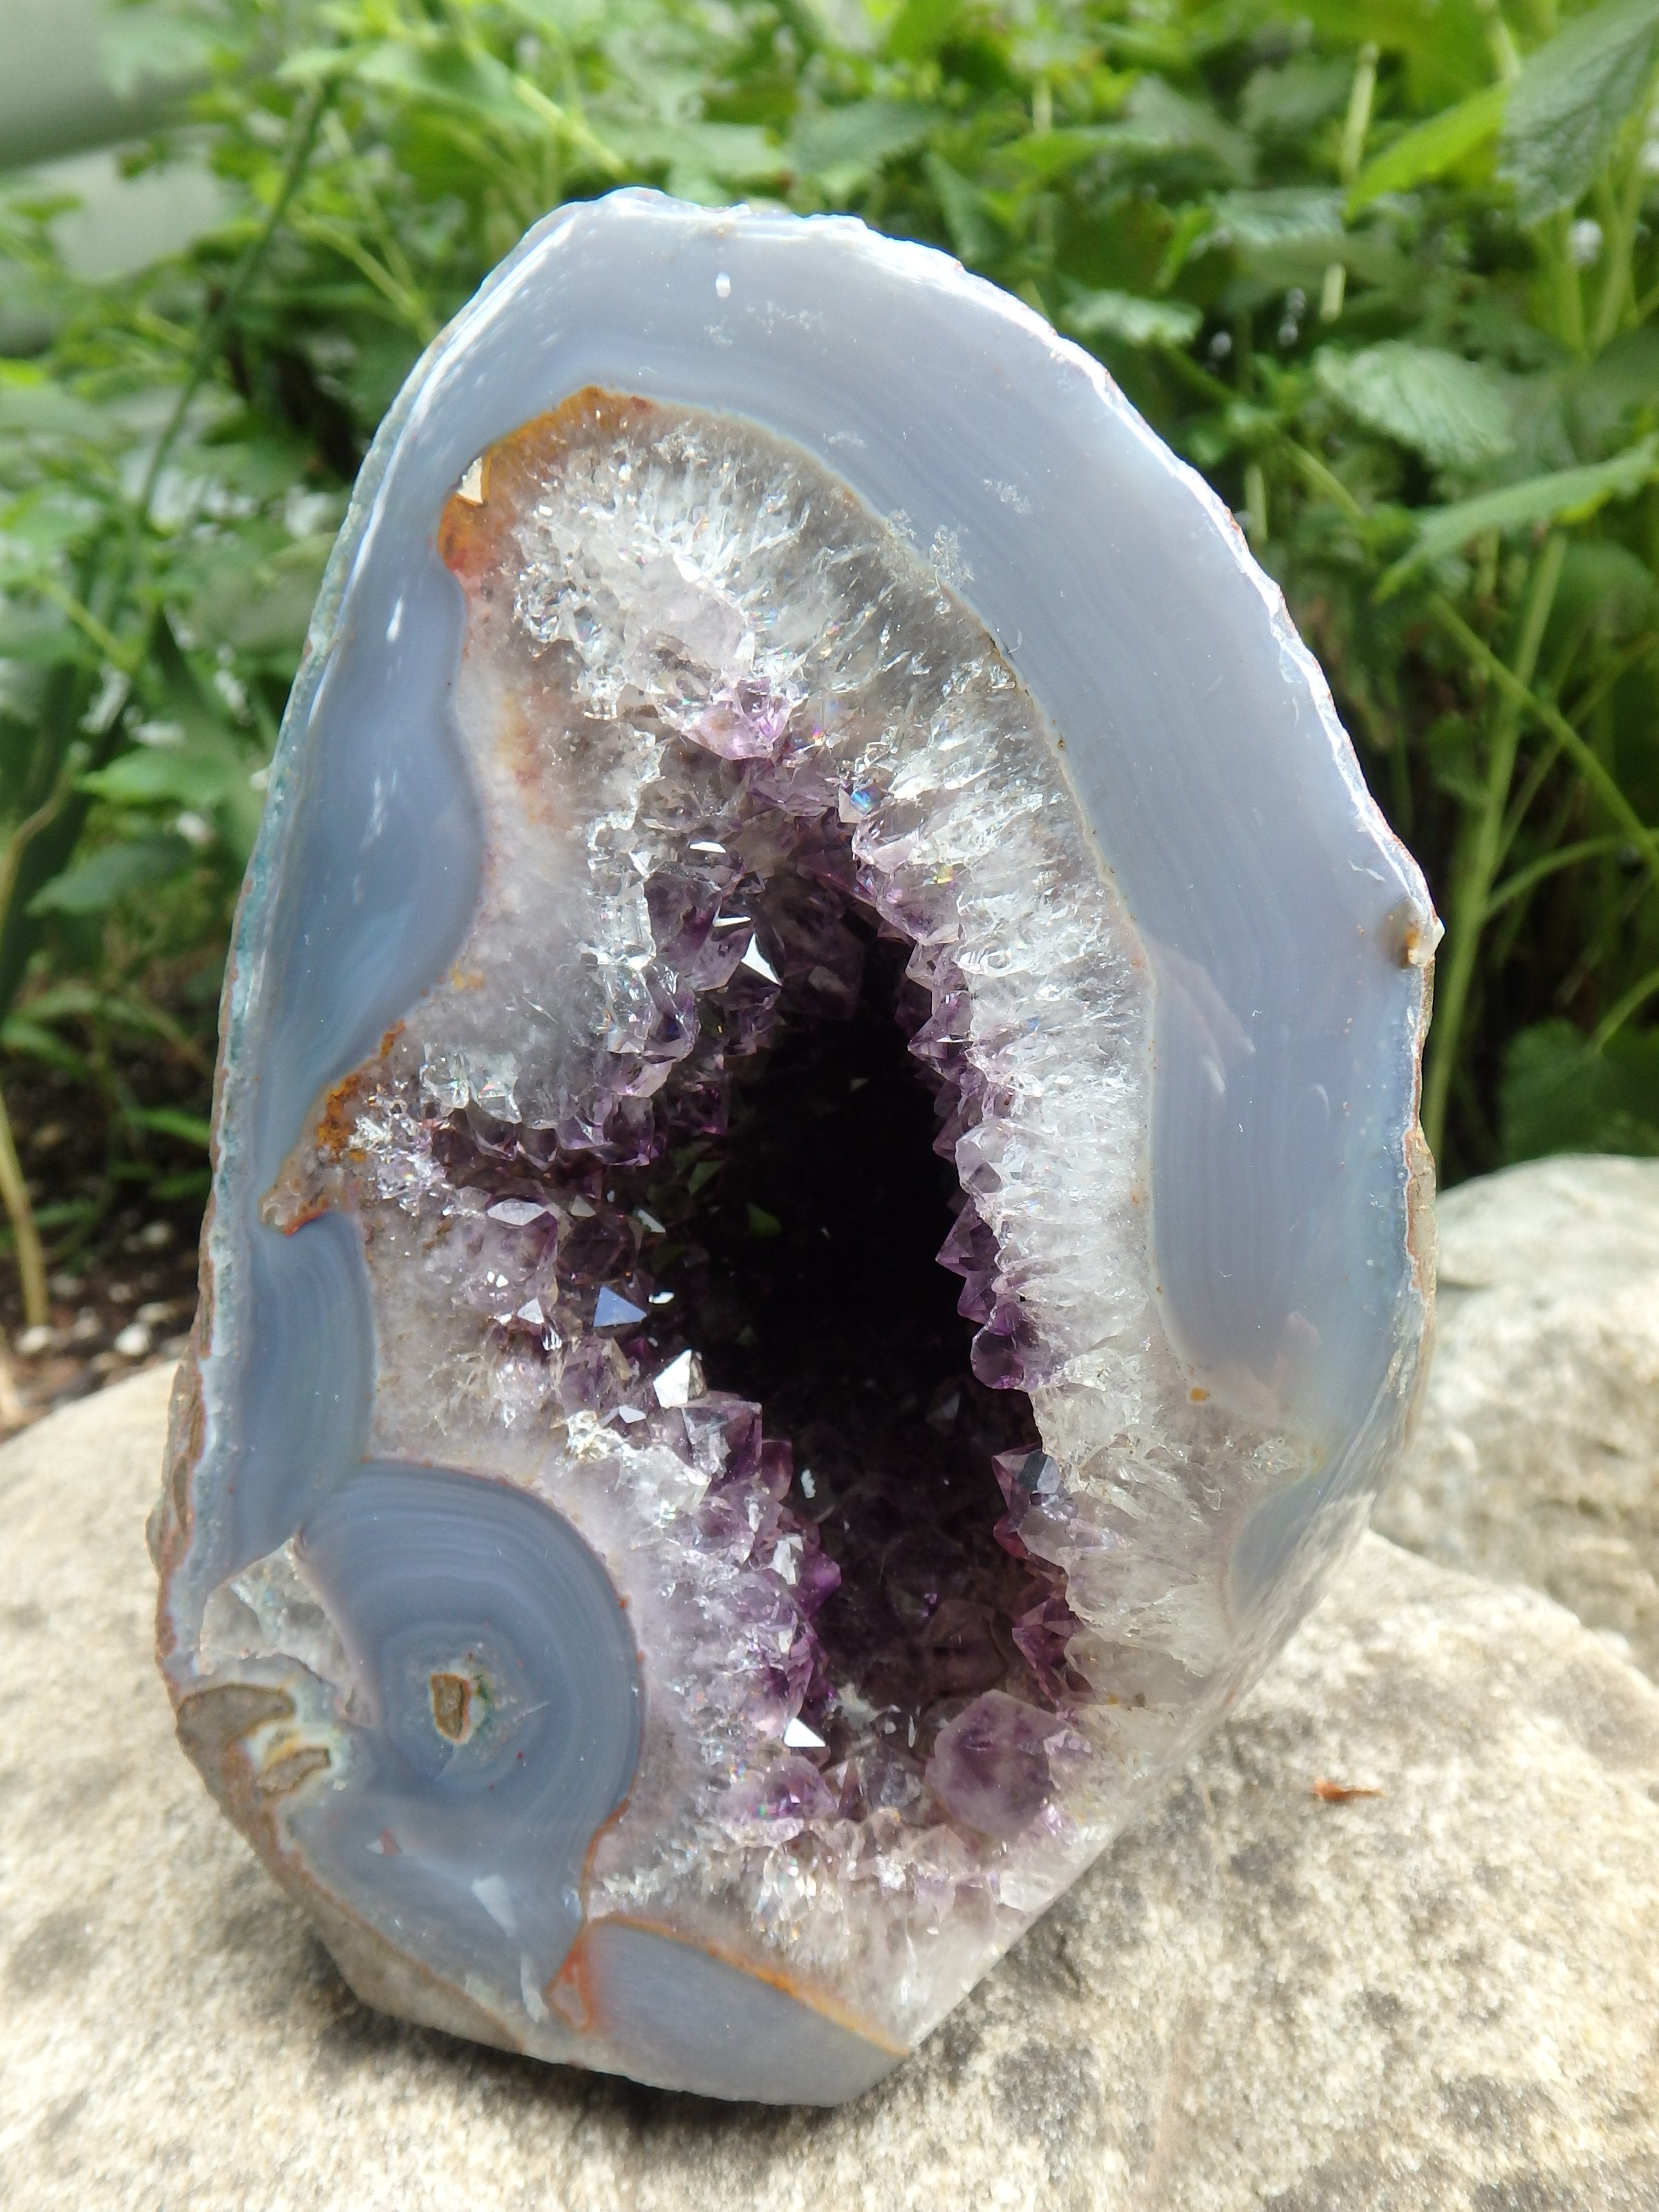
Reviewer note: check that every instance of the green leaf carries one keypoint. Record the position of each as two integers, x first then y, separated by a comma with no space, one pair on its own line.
264,605
1133,321
1289,101
1288,216
43,641
845,146
1570,101
1617,394
1451,410
168,1122
762,1224
1045,154
727,153
447,75
1562,495
35,1040
974,232
1559,1095
162,776
1433,148
194,1182
1159,119
111,873
920,28
31,404
1606,587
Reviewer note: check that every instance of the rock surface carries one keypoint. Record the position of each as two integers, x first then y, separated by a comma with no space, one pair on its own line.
1444,1995
1536,1460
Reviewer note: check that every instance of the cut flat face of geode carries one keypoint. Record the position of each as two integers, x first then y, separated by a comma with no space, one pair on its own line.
815,1246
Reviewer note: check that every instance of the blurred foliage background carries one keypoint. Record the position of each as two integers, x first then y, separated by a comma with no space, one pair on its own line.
1384,270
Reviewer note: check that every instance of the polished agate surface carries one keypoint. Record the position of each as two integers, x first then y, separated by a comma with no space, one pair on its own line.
819,1232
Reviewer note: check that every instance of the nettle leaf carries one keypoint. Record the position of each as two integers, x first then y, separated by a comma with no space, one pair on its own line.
32,405
974,231
262,606
1570,101
1133,321
728,153
1451,410
1562,495
842,147
1287,101
1045,154
1433,148
111,873
43,641
920,28
1288,216
1560,1094
446,74
1606,586
1159,119
1613,393
166,775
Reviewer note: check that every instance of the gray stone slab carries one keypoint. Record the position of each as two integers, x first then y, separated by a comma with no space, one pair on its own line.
1446,1995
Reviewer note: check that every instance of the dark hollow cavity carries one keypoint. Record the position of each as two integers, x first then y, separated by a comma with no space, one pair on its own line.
809,1282
777,1202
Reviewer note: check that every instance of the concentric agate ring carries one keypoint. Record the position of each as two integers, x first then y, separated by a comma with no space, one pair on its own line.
824,588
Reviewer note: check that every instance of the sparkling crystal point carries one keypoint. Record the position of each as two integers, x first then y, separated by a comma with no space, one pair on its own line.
820,1232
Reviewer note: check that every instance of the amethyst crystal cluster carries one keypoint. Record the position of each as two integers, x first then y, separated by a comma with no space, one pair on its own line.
699,1507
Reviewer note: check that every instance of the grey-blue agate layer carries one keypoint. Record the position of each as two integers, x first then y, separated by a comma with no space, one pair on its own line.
475,1730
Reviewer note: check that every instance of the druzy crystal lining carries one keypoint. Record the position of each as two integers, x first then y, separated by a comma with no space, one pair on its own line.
731,735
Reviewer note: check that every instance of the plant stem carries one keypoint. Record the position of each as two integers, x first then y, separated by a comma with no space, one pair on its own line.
1549,864
1619,234
43,843
11,853
1478,861
30,1260
1614,674
1585,756
1356,124
1555,238
1621,1010
307,123
1255,504
1323,479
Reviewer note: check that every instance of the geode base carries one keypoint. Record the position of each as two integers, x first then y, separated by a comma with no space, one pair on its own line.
722,1461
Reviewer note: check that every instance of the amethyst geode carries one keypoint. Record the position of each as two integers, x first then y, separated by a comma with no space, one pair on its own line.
818,1227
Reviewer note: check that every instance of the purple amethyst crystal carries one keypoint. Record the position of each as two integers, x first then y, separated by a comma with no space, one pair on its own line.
814,1248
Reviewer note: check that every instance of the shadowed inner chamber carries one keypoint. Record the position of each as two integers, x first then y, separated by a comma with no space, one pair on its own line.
786,1233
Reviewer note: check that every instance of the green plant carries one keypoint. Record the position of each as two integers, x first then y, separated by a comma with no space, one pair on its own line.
1385,273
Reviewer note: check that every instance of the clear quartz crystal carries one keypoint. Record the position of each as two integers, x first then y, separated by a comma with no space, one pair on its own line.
712,707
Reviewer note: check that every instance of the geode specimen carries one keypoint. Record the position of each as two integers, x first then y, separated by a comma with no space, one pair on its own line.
819,1218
